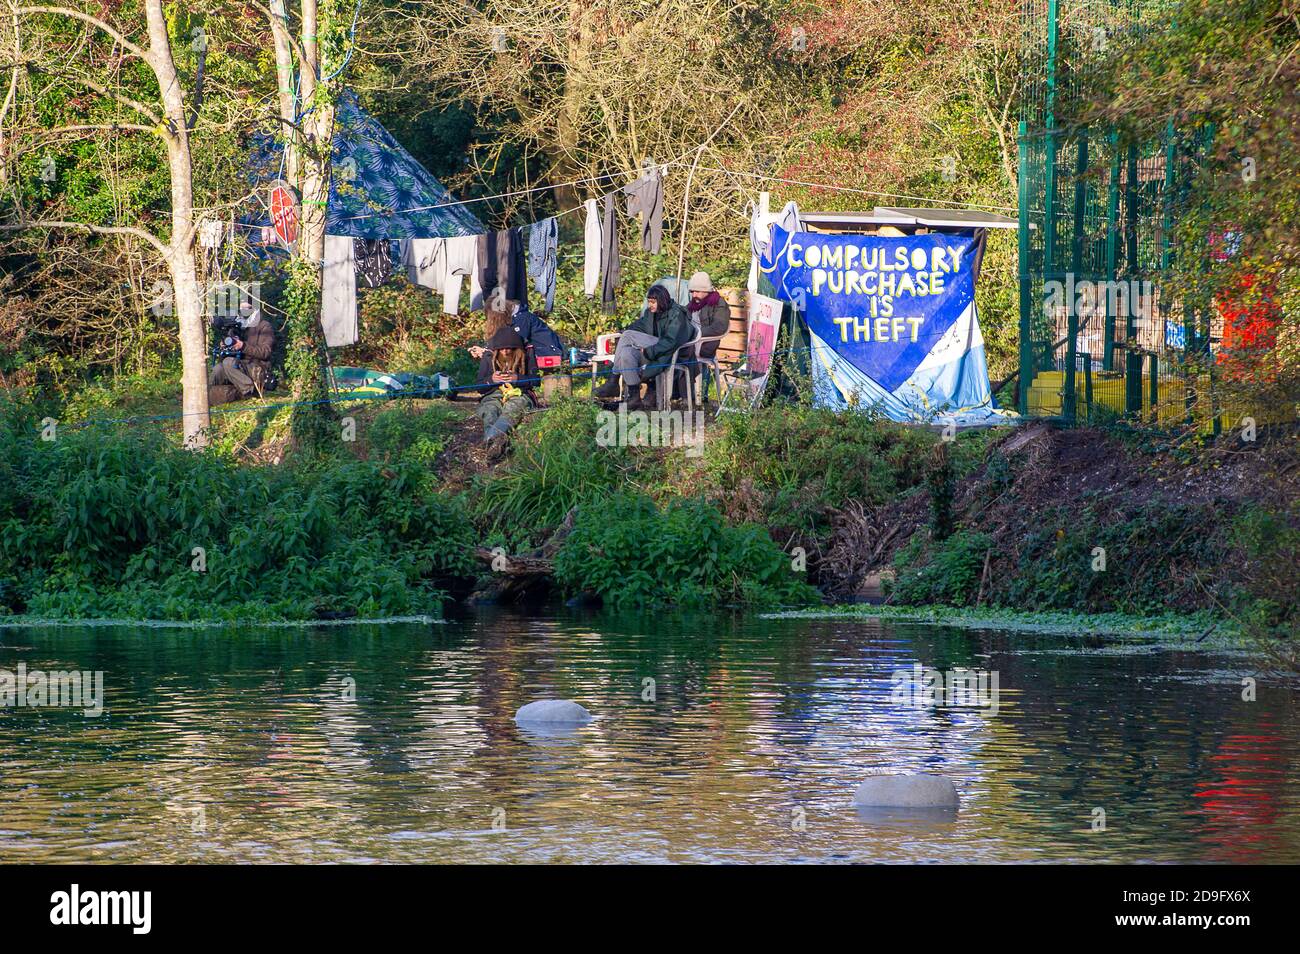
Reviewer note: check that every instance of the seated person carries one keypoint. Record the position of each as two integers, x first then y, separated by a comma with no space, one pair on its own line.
645,349
507,392
708,312
539,338
242,373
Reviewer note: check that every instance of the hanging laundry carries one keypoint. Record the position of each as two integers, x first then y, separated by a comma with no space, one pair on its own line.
542,261
591,250
517,273
609,263
501,262
461,259
338,304
424,263
374,263
645,197
760,236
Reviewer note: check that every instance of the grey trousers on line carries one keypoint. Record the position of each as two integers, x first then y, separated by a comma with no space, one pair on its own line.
628,358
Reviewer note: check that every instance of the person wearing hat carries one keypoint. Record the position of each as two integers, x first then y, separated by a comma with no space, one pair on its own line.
708,312
507,392
646,347
244,373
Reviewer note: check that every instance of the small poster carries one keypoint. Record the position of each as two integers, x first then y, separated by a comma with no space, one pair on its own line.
763,317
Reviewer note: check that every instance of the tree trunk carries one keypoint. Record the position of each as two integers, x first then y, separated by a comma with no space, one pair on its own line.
180,257
284,86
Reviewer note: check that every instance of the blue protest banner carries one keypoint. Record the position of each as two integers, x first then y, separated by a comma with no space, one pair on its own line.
891,320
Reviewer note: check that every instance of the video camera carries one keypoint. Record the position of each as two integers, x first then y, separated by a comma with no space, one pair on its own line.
227,330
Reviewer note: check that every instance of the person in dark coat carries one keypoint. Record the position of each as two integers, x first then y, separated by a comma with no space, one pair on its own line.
244,374
708,311
647,346
507,392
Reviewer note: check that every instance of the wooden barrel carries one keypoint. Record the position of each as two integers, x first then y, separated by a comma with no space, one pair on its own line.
732,349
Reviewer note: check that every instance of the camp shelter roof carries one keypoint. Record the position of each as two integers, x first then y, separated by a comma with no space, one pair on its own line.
378,189
906,218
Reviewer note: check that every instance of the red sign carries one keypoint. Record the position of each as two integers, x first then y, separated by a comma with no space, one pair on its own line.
284,214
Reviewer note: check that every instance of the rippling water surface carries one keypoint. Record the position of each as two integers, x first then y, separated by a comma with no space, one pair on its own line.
397,743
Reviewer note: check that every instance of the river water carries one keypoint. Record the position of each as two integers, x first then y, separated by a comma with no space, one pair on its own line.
396,742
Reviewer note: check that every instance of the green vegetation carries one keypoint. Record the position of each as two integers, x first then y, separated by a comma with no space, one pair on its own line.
630,552
556,466
102,523
1181,627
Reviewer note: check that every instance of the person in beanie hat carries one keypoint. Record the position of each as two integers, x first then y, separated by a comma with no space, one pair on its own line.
507,391
646,347
710,313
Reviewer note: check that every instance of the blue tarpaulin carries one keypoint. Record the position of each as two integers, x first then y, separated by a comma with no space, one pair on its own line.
378,190
891,320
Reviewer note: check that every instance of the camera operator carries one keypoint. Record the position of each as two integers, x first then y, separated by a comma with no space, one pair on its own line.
243,355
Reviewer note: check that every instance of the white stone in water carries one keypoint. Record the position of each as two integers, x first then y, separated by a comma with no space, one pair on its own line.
906,791
553,712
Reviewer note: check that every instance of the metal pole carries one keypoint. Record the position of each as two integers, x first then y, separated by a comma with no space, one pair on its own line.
1026,282
1133,271
1112,253
1069,400
1049,170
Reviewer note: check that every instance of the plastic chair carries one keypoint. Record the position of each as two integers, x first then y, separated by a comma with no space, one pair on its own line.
710,363
664,390
606,345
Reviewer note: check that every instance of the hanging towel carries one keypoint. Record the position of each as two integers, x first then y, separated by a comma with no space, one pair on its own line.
423,261
461,258
338,304
609,263
487,262
516,282
645,197
374,264
542,240
591,250
760,237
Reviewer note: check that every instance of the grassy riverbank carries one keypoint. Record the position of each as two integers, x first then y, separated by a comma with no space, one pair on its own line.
787,507
1203,629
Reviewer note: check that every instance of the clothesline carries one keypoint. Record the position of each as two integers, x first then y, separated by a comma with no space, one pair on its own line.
955,203
488,198
834,188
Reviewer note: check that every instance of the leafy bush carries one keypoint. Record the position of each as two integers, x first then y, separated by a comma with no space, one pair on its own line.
1270,543
99,524
401,434
804,461
555,466
951,576
630,553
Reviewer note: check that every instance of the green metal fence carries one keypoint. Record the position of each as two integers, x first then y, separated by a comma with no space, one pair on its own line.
1096,216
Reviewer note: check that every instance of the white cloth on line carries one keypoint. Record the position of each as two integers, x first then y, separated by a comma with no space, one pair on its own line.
425,265
591,249
460,258
338,305
760,236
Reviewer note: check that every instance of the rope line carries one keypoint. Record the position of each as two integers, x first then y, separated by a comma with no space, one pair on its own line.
407,392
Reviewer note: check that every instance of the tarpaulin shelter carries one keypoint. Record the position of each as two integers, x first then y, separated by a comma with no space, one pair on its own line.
886,300
378,189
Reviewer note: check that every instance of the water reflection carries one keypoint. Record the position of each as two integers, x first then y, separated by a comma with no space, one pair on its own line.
397,742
